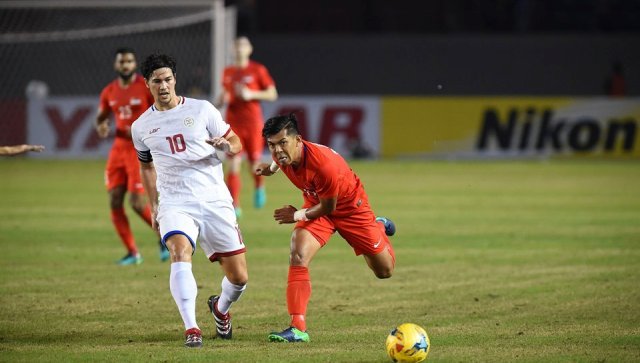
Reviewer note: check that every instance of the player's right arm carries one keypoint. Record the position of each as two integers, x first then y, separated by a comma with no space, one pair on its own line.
221,100
102,119
148,175
224,97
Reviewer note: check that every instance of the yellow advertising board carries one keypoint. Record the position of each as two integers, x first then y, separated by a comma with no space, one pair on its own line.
510,127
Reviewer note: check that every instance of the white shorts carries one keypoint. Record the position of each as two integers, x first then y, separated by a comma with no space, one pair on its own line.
213,224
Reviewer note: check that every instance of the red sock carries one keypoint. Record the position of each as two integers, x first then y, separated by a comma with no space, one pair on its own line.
146,214
121,222
233,183
298,294
258,181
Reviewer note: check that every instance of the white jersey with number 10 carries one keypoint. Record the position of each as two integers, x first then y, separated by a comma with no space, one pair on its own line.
188,168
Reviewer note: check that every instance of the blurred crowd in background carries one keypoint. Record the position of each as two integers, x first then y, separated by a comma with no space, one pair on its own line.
437,16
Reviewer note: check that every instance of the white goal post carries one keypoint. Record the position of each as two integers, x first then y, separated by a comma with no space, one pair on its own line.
30,30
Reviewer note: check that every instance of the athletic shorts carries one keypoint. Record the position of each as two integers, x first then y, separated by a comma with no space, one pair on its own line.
360,230
212,224
123,168
250,135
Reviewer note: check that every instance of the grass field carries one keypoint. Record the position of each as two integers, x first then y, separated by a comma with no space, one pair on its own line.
499,262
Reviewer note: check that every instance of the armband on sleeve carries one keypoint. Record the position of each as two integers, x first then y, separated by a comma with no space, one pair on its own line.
144,156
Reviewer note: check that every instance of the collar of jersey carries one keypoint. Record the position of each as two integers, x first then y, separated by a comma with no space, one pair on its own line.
181,102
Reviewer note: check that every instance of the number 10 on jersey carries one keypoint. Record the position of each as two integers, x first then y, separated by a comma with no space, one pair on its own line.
176,143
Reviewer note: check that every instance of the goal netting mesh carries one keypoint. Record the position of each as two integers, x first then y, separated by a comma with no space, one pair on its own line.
66,48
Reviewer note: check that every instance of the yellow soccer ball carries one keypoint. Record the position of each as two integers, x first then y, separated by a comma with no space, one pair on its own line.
408,343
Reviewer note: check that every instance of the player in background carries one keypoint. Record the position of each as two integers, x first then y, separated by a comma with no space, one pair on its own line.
176,140
126,97
245,84
20,149
334,200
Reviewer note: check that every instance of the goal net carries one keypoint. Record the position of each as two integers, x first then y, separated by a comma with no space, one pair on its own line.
66,48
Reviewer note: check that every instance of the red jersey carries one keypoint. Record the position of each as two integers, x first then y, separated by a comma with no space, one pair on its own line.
322,173
255,77
126,104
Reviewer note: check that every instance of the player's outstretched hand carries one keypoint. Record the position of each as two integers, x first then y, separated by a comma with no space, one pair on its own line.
285,214
264,169
220,143
36,148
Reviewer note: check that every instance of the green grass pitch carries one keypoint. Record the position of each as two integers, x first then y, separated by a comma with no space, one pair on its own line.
498,261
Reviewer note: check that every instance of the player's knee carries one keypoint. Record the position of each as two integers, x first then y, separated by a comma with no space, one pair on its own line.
137,203
238,277
115,202
297,258
239,280
384,273
180,252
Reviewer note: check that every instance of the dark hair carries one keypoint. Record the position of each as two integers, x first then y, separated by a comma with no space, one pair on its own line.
124,50
157,61
275,124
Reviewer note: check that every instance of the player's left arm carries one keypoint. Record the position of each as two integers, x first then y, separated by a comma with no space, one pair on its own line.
267,91
290,214
268,94
328,181
230,143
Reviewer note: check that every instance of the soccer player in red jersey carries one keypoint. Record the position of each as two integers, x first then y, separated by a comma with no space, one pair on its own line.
334,200
127,97
245,84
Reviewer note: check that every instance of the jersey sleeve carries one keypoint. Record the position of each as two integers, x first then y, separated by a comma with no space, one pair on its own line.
264,78
144,154
226,80
215,124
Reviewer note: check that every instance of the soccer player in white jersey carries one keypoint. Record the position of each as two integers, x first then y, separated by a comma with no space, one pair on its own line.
176,140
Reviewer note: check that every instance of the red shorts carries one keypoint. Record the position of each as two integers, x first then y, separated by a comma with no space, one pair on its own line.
123,168
250,135
360,230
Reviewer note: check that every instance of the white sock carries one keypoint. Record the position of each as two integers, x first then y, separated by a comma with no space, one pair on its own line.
184,291
229,294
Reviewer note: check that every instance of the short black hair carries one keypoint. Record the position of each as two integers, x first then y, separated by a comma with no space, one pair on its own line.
156,61
275,124
124,50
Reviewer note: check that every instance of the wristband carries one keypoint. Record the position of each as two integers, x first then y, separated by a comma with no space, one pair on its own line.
300,215
273,168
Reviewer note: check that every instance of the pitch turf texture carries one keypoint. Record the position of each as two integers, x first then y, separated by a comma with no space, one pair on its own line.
499,262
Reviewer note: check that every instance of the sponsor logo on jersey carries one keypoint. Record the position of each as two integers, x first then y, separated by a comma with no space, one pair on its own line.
135,101
310,192
153,131
189,121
